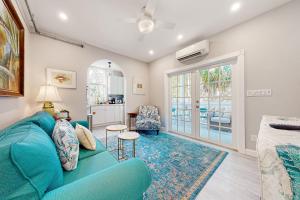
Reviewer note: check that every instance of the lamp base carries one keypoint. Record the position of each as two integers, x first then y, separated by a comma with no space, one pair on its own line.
49,107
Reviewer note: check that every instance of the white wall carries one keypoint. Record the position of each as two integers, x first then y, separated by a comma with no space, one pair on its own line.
12,108
50,53
272,47
43,53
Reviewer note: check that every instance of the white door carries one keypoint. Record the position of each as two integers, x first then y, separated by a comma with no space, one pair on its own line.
181,103
216,104
203,104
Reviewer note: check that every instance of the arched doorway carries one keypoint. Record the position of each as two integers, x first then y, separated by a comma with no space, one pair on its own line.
106,93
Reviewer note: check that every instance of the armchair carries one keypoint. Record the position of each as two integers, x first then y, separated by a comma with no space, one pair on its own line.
148,119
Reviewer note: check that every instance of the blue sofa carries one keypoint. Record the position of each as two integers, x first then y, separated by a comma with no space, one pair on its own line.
30,167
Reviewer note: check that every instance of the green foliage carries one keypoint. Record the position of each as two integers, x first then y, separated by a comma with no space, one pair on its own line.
216,79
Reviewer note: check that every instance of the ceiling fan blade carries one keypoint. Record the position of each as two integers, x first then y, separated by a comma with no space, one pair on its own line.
166,25
130,20
150,7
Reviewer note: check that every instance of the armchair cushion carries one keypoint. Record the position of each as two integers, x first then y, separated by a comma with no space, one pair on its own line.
147,124
148,112
148,118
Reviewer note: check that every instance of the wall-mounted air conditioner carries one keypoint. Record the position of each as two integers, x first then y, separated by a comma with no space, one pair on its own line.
193,51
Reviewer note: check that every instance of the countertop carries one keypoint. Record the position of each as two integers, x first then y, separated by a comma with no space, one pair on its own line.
116,104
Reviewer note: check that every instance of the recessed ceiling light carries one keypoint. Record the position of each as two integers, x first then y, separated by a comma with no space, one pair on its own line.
235,7
151,52
179,37
63,16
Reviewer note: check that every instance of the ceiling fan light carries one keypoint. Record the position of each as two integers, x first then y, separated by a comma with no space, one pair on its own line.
146,25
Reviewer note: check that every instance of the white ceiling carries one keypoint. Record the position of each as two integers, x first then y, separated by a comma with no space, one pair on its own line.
98,22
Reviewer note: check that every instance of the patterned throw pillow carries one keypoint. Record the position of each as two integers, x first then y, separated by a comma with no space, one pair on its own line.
67,144
85,137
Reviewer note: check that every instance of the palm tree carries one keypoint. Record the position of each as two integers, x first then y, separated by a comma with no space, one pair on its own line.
216,79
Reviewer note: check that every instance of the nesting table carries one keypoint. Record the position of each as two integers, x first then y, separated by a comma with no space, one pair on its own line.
118,127
133,136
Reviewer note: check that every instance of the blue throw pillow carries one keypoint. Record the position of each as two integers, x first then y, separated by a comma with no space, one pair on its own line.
290,155
36,158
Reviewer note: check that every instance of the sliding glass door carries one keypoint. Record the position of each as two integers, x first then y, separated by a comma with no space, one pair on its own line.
202,102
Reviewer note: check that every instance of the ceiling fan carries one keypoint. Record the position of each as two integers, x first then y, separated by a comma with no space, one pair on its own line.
146,23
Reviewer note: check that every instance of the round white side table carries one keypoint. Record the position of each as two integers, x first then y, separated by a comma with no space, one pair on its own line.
127,136
118,127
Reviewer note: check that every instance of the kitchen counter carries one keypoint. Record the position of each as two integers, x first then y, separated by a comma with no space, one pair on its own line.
116,104
106,114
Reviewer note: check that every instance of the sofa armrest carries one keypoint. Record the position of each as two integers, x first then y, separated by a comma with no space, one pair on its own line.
127,180
81,122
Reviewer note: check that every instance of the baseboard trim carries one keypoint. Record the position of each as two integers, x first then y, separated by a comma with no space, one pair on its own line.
251,152
163,128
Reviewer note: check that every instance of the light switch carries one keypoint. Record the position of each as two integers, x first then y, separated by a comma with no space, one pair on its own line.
259,93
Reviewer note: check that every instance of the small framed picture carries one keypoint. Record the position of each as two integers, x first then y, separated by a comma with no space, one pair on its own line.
61,78
138,86
63,114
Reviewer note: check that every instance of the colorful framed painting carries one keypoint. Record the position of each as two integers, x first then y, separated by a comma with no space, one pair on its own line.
61,78
11,51
138,86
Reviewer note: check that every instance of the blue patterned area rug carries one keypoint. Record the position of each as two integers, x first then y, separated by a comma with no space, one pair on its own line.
180,168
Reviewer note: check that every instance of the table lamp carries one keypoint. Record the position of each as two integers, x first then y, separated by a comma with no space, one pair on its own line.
48,94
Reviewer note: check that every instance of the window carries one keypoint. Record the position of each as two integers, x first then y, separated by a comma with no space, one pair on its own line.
97,85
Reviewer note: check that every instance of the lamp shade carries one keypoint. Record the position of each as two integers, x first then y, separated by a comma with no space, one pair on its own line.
48,93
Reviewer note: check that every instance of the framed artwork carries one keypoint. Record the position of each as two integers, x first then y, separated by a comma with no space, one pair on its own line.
11,51
138,86
61,78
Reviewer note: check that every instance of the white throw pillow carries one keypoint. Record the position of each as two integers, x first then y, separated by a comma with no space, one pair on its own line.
67,144
85,137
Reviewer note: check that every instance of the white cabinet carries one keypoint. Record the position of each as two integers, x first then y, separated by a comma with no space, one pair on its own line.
107,114
116,85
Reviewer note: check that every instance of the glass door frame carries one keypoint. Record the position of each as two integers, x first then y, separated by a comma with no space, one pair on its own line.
233,106
238,86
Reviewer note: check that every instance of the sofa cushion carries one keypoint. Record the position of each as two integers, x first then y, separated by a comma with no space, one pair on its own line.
67,144
45,121
41,119
25,153
81,122
90,166
36,158
84,153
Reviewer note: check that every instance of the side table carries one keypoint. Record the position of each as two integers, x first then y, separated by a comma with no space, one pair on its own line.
130,117
118,127
127,136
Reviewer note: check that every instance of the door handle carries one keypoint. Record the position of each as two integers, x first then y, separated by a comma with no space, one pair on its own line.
197,106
